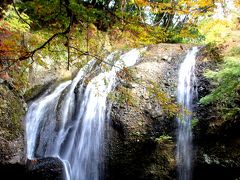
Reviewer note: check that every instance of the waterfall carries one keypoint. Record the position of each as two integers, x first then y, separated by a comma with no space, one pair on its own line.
185,94
69,122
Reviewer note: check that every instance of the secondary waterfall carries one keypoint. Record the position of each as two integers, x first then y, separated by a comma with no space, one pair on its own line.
185,93
68,123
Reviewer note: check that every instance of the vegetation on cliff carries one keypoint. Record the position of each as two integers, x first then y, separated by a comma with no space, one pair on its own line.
226,95
224,40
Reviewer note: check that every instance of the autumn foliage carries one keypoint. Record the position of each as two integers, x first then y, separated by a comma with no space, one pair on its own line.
30,30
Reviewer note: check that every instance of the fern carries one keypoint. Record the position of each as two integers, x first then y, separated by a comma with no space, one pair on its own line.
227,82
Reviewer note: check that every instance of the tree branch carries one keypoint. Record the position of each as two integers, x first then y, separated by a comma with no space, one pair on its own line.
94,56
15,9
31,53
68,52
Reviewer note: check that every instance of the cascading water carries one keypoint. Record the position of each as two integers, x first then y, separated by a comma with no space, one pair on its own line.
73,129
185,93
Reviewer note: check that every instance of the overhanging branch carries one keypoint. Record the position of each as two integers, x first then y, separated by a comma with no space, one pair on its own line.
15,9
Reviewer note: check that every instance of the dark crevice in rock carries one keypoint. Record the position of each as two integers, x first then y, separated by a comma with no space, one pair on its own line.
13,171
210,172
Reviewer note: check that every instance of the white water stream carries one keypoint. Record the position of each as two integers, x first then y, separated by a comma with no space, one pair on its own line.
69,122
185,93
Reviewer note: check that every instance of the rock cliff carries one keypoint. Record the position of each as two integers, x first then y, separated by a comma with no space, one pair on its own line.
142,133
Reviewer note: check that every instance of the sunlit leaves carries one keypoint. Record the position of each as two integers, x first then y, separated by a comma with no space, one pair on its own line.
12,22
143,35
141,3
237,3
13,46
45,13
12,30
215,30
182,7
227,83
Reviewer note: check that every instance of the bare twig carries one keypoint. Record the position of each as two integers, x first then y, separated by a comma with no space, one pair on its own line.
14,6
68,52
94,56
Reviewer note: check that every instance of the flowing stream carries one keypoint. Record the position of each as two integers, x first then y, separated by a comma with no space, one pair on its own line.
185,93
68,123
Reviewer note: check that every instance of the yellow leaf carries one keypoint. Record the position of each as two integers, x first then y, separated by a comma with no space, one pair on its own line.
141,2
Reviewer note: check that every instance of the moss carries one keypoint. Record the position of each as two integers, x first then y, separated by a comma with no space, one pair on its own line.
33,92
59,81
39,89
11,113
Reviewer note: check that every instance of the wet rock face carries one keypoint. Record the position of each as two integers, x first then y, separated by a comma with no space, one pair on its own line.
135,150
137,145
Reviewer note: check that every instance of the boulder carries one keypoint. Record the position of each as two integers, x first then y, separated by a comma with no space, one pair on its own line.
48,168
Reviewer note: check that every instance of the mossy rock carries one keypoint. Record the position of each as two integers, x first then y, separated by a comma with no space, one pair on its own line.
143,160
35,91
11,113
11,128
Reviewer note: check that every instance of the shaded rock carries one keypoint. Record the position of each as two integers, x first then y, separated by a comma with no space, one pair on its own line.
36,91
218,159
46,169
44,75
13,171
